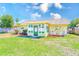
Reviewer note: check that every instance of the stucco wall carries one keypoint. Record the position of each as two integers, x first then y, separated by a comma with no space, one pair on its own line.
58,30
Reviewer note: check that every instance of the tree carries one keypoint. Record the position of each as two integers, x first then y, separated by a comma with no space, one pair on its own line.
17,24
6,21
74,22
17,20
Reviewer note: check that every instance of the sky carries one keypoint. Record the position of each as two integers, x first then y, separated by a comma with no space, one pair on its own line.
40,11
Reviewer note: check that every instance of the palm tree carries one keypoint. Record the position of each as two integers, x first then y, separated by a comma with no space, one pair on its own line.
17,20
17,25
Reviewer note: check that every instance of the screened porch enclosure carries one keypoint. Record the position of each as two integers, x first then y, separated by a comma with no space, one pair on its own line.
37,29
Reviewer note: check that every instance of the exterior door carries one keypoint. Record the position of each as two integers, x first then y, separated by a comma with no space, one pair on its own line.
35,30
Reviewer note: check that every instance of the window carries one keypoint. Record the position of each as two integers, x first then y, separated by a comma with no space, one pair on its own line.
47,29
39,32
42,32
31,31
39,25
22,28
42,25
30,25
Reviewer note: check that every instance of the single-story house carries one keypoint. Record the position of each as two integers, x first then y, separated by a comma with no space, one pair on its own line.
37,28
53,27
58,27
76,29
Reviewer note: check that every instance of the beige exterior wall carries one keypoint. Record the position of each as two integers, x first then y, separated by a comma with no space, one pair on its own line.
53,29
58,30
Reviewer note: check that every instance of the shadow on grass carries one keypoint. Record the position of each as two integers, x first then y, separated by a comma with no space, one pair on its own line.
34,37
3,32
74,34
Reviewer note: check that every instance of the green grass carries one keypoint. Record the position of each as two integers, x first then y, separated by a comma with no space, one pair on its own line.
49,46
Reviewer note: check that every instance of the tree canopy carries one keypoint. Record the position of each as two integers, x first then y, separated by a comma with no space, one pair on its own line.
74,22
6,21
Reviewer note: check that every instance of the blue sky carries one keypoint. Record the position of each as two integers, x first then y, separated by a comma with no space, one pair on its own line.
40,11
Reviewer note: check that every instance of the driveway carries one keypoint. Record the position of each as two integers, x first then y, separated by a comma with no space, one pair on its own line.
7,35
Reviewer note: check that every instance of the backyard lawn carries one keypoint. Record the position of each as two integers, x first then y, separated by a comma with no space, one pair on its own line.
49,46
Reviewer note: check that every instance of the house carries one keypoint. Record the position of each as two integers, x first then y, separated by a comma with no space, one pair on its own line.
58,27
53,27
37,28
76,29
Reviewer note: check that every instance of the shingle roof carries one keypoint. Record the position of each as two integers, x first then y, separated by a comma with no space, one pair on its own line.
59,21
50,21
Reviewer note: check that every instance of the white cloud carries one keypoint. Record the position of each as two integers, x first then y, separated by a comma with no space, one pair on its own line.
56,15
51,14
2,9
35,15
35,7
58,5
28,8
23,20
44,7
